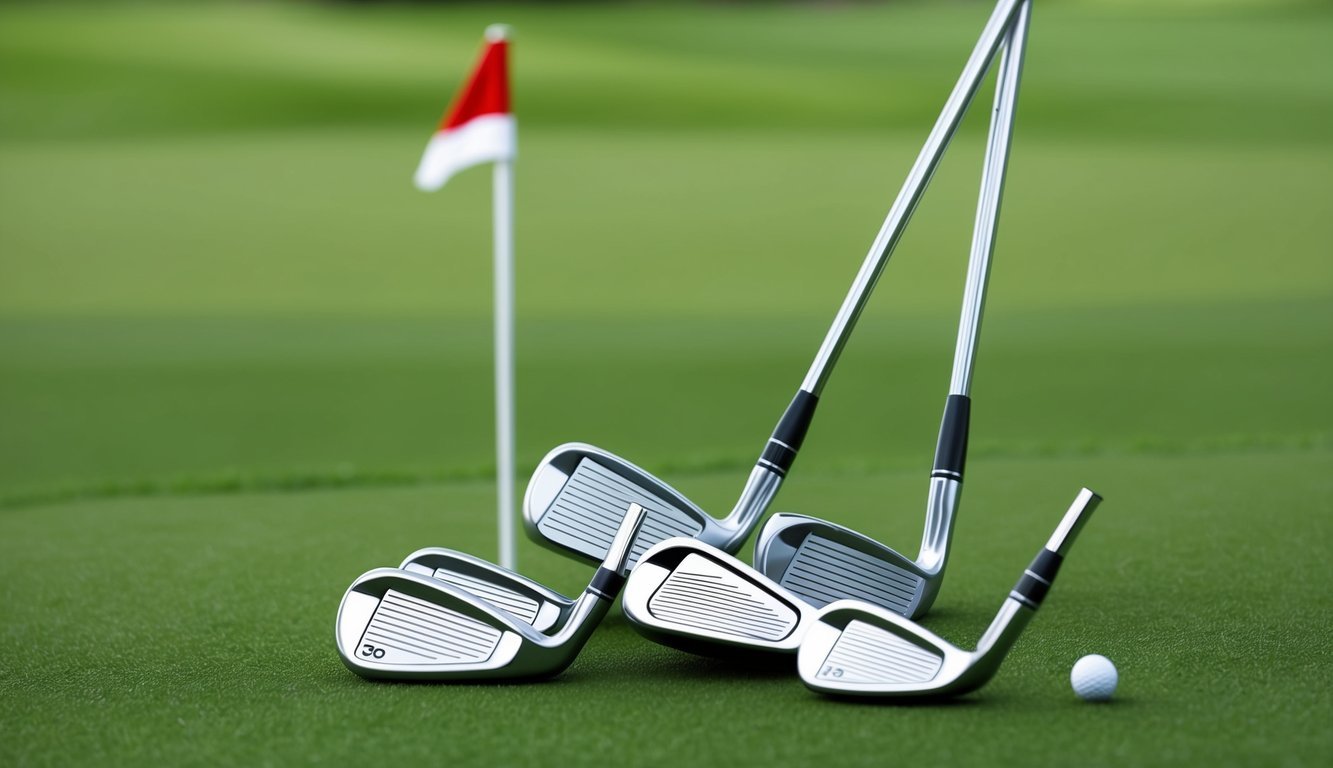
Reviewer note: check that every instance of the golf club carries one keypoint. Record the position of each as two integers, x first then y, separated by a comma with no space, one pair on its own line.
857,649
821,561
573,500
399,624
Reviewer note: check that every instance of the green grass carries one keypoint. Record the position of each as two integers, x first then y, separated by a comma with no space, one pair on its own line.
209,640
241,361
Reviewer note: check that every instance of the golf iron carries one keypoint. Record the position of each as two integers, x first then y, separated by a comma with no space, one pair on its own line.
694,597
574,498
857,649
820,561
398,624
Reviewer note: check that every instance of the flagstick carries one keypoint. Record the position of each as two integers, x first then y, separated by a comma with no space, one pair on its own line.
504,357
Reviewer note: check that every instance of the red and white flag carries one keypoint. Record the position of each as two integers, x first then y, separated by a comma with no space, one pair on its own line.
478,127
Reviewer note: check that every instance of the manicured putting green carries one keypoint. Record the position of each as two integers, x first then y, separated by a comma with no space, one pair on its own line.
178,631
242,361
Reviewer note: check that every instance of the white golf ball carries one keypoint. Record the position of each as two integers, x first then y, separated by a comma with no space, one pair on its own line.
1094,678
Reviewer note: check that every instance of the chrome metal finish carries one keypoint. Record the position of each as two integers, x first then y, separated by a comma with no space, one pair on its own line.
854,648
526,599
760,488
821,562
1073,522
779,549
988,202
689,595
573,511
572,500
912,190
941,504
397,624
571,504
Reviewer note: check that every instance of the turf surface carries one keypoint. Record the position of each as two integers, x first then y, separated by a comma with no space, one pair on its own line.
241,361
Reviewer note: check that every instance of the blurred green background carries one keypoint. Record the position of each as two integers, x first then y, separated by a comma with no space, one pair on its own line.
217,282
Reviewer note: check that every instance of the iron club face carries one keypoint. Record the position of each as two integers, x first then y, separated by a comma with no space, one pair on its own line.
853,648
573,500
694,597
396,624
821,562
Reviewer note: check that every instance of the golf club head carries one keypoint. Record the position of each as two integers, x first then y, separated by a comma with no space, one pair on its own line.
852,648
822,562
578,494
543,608
697,598
397,624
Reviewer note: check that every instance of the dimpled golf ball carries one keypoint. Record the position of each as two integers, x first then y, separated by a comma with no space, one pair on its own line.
1094,678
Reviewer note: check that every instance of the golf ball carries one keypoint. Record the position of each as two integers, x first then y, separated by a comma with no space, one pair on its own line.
1094,678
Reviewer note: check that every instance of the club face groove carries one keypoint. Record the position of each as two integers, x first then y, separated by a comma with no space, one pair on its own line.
397,624
691,596
577,499
855,649
820,563
866,654
408,630
700,593
543,608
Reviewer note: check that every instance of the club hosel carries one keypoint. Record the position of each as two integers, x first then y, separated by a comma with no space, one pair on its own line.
605,585
587,613
760,488
941,508
1000,636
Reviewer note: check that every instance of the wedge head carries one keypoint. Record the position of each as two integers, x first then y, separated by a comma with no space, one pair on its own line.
577,498
694,597
821,562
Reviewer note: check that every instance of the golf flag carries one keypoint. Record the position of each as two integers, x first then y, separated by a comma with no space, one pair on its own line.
478,127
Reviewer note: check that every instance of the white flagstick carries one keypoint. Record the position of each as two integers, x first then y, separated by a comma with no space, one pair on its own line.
504,357
479,128
504,344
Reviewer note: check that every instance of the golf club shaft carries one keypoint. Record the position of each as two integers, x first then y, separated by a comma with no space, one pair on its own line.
781,449
1036,581
988,204
951,449
783,446
946,475
913,188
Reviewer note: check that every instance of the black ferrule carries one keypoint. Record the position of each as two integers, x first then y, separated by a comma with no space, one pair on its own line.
777,458
951,450
1037,580
606,583
796,421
